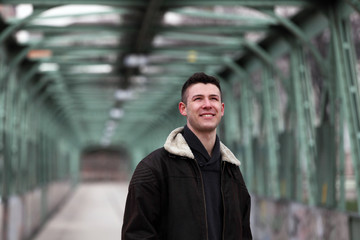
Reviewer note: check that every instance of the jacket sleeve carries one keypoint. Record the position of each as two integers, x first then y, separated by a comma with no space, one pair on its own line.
246,222
142,209
246,233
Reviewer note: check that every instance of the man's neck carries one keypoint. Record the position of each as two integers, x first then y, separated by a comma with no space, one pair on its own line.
207,139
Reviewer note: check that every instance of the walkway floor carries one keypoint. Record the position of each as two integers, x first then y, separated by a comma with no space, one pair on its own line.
94,211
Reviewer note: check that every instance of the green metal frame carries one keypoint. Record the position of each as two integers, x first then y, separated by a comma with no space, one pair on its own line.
72,108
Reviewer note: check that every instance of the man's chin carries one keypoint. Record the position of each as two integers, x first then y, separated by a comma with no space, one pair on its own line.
207,129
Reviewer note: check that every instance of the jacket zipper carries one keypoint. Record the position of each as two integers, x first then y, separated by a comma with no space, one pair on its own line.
203,194
223,199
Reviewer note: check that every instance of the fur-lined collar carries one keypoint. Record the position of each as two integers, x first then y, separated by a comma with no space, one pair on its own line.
176,144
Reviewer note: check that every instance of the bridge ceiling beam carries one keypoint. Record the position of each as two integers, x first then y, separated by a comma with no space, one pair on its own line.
125,61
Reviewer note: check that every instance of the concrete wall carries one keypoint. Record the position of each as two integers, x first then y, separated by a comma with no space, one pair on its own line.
280,220
22,215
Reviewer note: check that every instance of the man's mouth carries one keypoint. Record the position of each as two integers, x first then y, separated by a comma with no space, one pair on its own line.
207,115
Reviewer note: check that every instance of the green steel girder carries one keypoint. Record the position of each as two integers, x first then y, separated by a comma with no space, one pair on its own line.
5,34
227,16
348,86
12,65
29,75
355,4
231,121
299,34
84,50
82,101
311,22
305,126
208,39
132,28
241,73
41,98
167,3
199,47
185,54
245,3
76,63
139,3
73,38
151,18
123,3
259,52
100,13
264,56
226,29
246,122
270,112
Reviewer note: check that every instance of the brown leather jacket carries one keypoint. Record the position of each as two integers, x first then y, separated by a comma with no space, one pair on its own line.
166,198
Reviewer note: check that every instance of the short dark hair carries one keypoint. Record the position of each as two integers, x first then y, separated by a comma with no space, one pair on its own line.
199,77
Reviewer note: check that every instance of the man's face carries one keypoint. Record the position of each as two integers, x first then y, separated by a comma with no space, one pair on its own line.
203,107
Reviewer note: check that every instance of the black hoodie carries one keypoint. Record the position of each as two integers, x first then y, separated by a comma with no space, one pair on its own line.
211,176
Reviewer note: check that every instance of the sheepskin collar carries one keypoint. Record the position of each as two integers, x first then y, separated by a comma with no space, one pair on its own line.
176,144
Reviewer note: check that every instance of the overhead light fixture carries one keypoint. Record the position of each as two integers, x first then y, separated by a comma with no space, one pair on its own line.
48,67
192,56
116,113
172,18
24,10
135,60
22,36
123,95
70,14
39,53
100,68
151,70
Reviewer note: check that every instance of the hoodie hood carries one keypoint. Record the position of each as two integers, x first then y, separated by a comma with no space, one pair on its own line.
177,145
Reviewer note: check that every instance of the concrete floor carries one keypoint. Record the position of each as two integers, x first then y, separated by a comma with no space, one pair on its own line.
93,212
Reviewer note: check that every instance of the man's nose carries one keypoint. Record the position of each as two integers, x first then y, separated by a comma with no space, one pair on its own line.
207,103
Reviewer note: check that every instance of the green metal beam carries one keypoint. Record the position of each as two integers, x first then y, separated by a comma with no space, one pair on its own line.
52,39
223,16
123,3
245,3
110,28
149,20
348,87
73,15
269,92
5,34
208,39
246,122
305,126
355,4
132,28
226,29
299,34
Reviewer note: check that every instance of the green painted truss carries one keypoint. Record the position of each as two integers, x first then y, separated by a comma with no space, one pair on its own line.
86,73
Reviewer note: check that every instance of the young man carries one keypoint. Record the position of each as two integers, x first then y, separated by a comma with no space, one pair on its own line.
192,188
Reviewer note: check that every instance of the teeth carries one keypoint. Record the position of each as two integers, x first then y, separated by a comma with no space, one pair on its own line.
207,115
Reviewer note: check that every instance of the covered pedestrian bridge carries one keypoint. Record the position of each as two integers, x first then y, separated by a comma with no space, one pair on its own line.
83,80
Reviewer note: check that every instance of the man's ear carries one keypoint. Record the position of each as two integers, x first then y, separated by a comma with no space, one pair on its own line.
222,109
182,109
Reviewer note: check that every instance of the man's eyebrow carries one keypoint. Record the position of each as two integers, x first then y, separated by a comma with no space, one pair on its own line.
197,95
202,95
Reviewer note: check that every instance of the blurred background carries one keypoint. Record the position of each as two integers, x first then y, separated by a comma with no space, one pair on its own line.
88,88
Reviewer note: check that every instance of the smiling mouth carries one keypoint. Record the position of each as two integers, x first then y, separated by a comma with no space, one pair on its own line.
207,115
